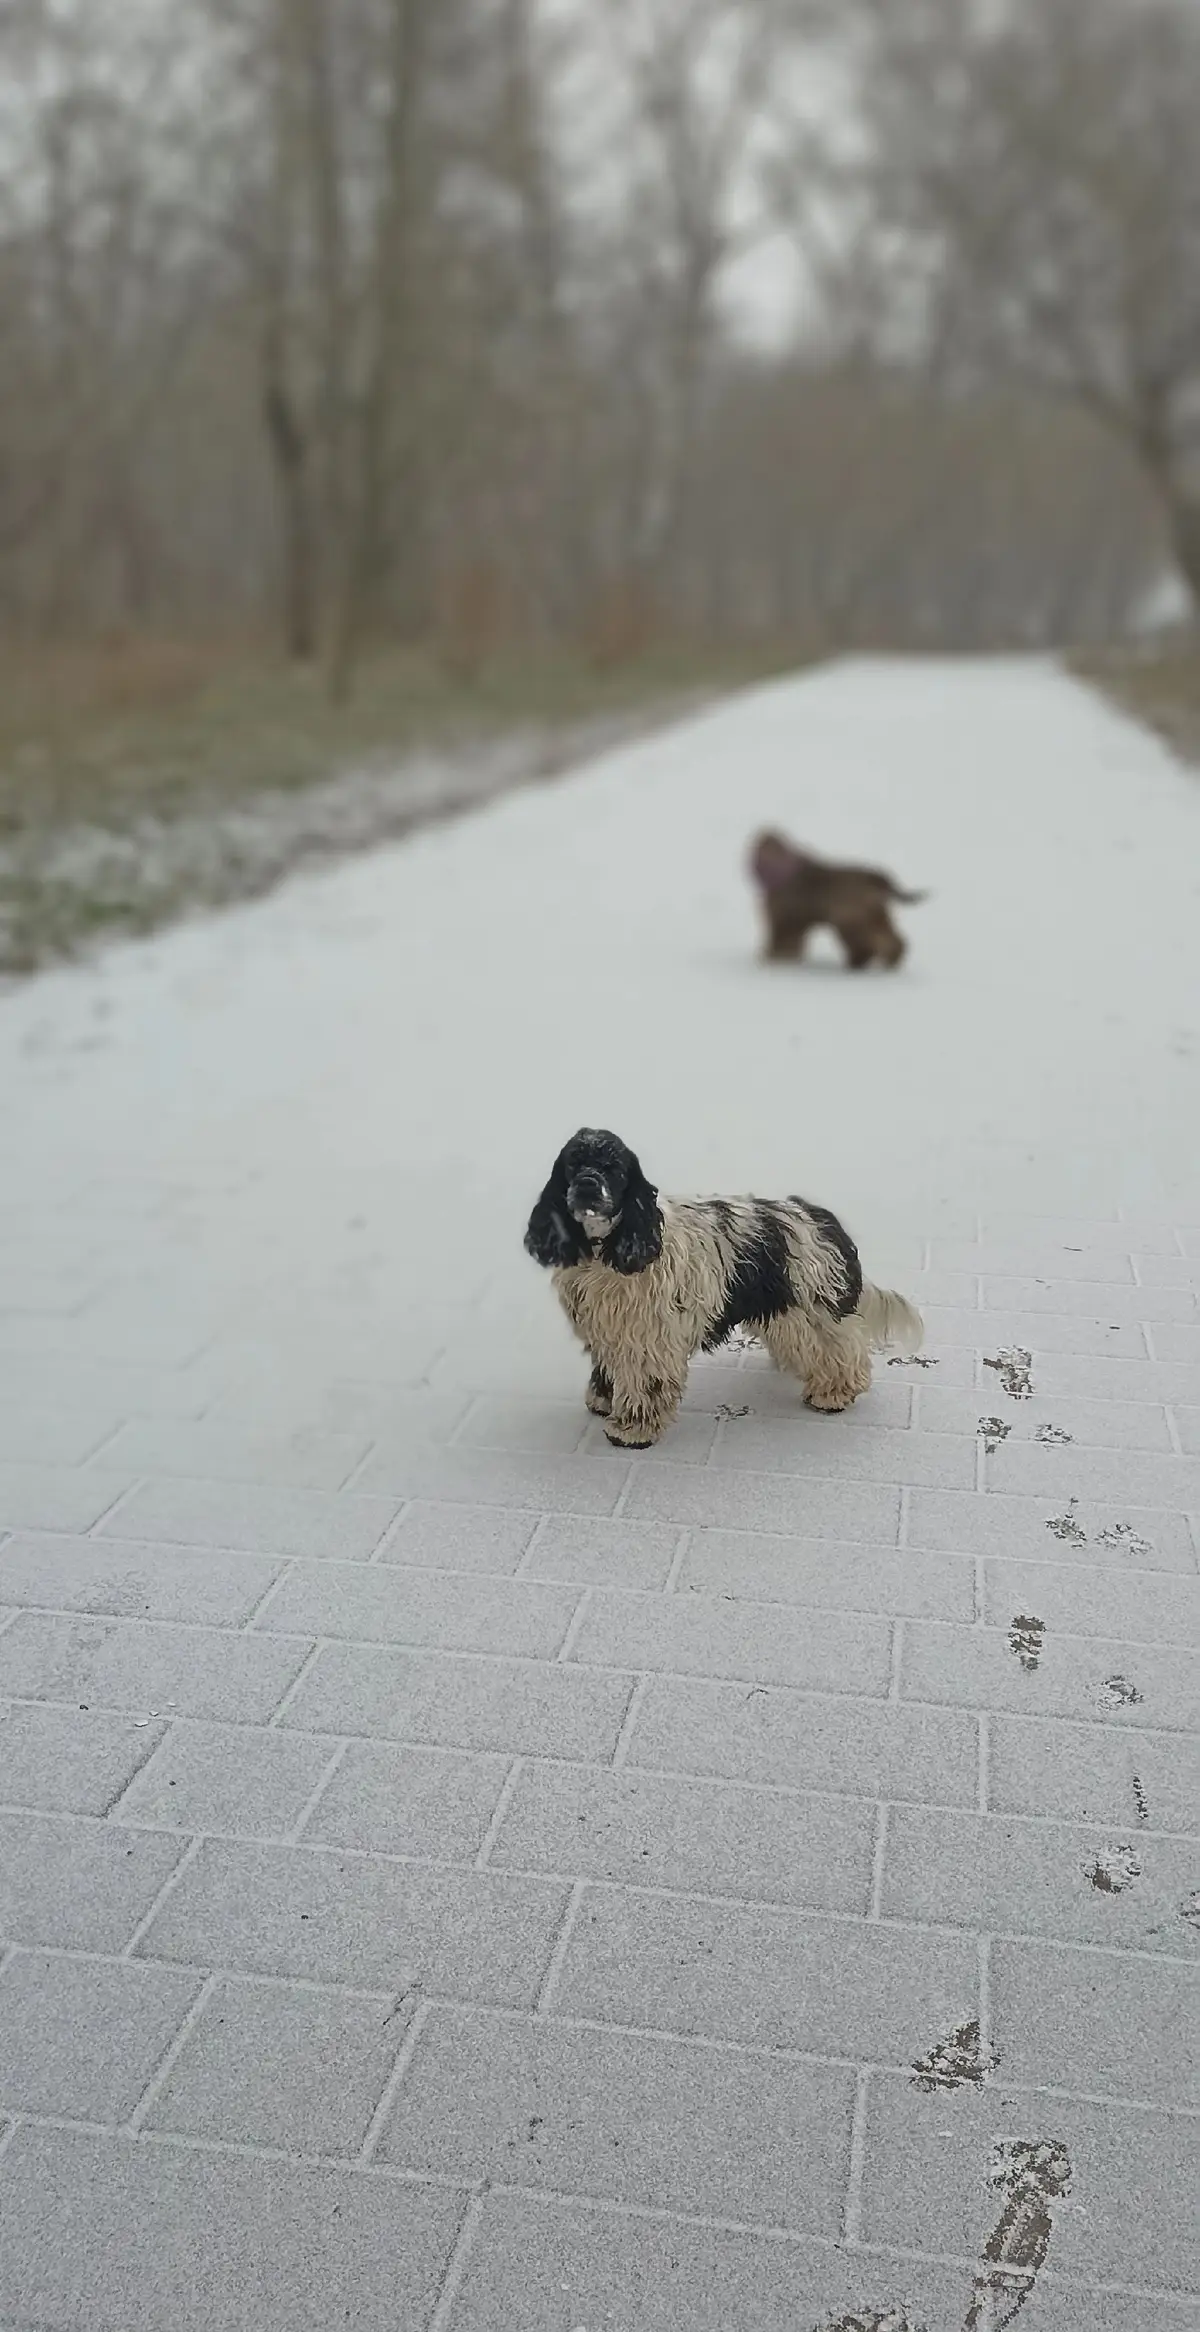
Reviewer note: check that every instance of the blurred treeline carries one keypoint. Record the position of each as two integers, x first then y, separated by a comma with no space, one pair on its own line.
331,321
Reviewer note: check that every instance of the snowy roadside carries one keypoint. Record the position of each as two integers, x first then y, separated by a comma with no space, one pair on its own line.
63,889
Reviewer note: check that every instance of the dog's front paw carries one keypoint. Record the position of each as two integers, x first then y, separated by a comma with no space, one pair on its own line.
598,1397
830,1403
634,1434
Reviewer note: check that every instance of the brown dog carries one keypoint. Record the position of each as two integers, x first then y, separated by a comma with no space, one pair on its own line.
799,892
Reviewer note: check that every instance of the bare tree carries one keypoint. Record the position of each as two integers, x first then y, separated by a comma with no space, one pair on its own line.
409,319
1036,178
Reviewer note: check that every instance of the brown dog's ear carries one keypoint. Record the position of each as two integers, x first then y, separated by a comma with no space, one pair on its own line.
772,861
552,1236
637,1240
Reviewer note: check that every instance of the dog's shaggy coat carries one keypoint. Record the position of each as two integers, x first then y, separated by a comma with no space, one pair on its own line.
646,1283
798,892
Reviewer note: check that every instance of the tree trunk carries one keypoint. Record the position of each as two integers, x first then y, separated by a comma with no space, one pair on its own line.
286,435
1183,529
311,30
289,453
389,318
1179,501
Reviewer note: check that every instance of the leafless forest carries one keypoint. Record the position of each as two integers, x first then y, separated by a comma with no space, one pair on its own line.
330,321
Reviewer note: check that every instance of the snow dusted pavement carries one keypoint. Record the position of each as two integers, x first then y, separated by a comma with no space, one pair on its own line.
455,1877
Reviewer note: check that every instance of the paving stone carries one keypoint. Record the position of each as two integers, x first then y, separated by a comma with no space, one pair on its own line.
997,1329
1181,1343
301,1358
1116,1380
283,2065
954,1367
227,1451
1113,1475
1188,1423
738,1972
1058,1231
1058,2306
489,1477
688,1441
383,1604
434,1804
134,1582
69,1761
761,1392
992,1872
811,1507
82,2037
978,1668
294,2240
33,1286
1143,1607
708,1837
527,1708
1101,2023
1104,1425
145,1333
958,1521
242,1782
646,2275
343,1919
814,1572
338,1405
459,1538
1017,1259
1168,1270
54,1437
1134,2177
867,1748
75,1885
842,1448
1094,1773
1108,1305
595,1551
57,1497
628,2118
538,1426
251,1518
68,1381
150,1670
698,1635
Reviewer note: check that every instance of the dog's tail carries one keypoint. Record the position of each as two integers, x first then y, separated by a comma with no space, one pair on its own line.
905,898
890,1319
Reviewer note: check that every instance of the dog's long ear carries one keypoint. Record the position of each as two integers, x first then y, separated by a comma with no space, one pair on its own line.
553,1237
637,1239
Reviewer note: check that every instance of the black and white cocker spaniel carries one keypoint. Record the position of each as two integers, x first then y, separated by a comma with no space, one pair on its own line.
647,1282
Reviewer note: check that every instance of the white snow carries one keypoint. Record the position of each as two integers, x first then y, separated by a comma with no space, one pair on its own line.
416,1031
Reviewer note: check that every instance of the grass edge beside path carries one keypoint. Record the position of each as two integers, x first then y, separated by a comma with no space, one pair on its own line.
1156,682
142,783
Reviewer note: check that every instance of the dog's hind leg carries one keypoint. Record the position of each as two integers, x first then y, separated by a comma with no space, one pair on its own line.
599,1394
890,948
830,1358
858,944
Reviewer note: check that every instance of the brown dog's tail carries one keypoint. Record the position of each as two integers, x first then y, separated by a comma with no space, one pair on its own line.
890,1319
906,898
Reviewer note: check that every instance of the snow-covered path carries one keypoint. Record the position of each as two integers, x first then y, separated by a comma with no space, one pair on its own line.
584,952
462,1879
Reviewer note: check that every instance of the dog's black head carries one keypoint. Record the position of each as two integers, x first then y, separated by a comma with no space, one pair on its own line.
597,1202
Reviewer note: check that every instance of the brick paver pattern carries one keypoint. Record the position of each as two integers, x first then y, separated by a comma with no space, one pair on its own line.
502,1857
456,1877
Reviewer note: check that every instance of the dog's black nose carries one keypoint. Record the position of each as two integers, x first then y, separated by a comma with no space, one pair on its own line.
590,1193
